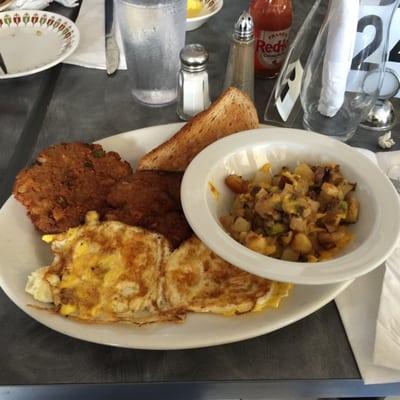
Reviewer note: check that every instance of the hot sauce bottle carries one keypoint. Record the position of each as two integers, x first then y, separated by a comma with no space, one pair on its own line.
272,22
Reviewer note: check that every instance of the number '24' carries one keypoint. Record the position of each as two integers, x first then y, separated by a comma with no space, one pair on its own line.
358,62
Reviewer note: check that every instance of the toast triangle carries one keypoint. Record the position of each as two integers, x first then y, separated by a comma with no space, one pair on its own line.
232,112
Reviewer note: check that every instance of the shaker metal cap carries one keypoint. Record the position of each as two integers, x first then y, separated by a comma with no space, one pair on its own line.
194,57
244,27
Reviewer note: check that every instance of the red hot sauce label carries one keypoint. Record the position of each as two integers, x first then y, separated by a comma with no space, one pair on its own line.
271,47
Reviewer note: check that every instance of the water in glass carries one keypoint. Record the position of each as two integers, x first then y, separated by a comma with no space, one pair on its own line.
153,33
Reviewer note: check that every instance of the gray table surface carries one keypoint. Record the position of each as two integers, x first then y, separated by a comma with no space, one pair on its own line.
311,357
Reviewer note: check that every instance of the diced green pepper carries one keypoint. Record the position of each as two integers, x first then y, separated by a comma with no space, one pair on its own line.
276,229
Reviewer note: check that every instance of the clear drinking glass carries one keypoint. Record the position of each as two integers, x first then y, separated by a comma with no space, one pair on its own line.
341,80
153,33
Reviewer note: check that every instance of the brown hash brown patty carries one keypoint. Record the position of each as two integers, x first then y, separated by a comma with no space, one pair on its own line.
151,200
66,181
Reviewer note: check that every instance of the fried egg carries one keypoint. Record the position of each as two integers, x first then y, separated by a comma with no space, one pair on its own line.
104,272
110,272
196,279
38,286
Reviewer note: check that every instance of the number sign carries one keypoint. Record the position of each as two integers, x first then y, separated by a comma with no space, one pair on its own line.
371,31
291,86
394,45
371,34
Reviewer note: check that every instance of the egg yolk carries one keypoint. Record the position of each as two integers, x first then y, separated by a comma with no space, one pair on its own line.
194,8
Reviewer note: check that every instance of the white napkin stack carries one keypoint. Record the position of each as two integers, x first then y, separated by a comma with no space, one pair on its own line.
40,4
91,49
387,337
370,307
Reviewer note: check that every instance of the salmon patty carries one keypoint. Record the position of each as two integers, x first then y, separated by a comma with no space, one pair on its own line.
151,200
66,181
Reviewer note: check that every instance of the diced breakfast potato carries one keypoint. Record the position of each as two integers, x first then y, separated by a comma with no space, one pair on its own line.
241,225
346,187
266,168
263,176
298,224
305,172
301,243
267,204
259,244
326,240
227,221
286,238
290,254
299,215
301,187
353,209
330,189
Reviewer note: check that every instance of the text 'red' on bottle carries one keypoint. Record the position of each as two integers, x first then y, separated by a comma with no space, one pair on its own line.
272,22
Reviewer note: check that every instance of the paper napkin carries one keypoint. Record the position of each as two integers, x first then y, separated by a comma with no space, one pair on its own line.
387,338
40,4
358,307
370,306
91,52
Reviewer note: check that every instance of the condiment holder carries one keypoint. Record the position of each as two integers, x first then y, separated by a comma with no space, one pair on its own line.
382,116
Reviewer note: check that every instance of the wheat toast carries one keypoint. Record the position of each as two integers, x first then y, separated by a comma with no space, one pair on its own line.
232,112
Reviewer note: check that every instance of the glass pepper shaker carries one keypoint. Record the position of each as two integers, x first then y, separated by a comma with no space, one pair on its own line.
240,67
193,93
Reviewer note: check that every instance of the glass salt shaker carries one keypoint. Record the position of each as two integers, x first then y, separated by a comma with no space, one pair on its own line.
193,94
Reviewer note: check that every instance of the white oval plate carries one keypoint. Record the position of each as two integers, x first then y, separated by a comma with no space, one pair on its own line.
32,41
22,251
375,234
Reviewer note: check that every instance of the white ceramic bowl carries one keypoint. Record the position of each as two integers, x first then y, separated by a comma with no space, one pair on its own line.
211,7
375,234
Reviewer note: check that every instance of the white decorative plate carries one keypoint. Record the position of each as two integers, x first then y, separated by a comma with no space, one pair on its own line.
22,251
32,41
4,4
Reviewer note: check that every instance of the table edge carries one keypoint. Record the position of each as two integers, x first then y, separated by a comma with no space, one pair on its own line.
248,389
